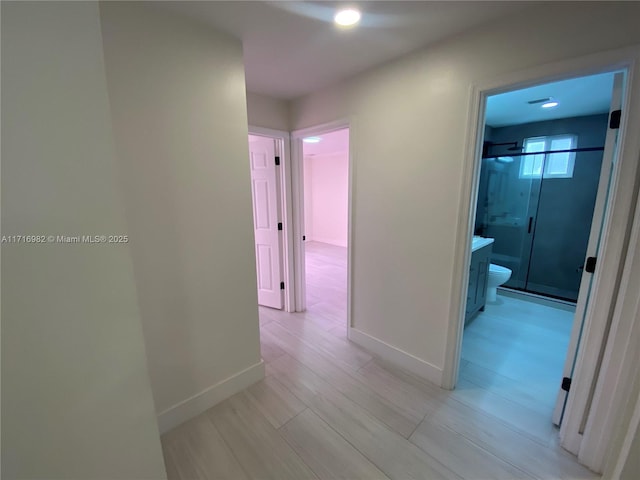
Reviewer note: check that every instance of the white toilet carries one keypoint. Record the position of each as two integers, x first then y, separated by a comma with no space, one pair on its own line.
498,275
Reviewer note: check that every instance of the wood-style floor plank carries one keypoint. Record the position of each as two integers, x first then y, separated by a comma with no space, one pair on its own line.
328,409
326,279
396,456
270,351
461,455
397,390
257,445
517,349
392,415
509,444
328,454
516,391
533,423
195,449
296,377
340,350
274,401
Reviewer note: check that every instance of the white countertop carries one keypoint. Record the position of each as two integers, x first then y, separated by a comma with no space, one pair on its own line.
479,242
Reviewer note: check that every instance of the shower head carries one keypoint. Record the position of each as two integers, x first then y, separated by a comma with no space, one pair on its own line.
488,145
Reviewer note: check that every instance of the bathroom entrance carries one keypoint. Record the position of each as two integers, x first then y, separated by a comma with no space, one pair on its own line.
547,161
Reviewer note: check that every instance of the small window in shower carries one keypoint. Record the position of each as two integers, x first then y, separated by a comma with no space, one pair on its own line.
548,165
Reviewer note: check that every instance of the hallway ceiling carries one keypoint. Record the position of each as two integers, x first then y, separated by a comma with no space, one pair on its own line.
292,48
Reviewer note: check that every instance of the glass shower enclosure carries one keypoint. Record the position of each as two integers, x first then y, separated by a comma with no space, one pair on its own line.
538,207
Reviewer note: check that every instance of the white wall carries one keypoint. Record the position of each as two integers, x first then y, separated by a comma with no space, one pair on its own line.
178,103
76,398
409,128
326,198
267,112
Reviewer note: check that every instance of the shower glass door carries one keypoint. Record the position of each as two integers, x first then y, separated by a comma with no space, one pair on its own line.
538,207
503,213
562,226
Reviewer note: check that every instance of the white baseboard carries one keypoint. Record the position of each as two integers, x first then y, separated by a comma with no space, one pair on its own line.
396,356
210,396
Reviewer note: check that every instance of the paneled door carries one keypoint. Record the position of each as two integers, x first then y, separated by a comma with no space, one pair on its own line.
264,190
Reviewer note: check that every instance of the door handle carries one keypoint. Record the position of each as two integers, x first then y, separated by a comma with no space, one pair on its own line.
530,223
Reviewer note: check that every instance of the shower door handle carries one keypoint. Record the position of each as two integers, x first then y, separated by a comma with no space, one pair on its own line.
530,224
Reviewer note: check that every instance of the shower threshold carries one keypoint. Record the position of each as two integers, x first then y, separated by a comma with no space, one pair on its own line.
539,299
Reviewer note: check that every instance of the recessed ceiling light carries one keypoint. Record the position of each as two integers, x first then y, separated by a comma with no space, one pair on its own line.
311,140
347,17
549,104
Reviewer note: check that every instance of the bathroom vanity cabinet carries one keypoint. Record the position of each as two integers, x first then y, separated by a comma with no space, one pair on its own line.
478,275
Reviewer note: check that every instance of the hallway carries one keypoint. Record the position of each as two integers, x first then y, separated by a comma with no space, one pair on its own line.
328,409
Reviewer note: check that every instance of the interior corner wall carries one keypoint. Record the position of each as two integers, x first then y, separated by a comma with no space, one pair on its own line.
177,95
267,112
409,126
326,198
76,396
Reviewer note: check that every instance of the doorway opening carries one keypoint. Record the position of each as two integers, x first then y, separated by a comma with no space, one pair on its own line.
325,174
315,209
545,175
301,193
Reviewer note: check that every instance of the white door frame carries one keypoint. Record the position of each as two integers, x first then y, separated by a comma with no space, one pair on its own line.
612,399
616,230
283,150
298,208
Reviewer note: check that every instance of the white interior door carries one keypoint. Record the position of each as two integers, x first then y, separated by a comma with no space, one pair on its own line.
608,159
264,189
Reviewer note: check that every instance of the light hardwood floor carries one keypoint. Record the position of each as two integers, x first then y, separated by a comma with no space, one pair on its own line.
328,409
